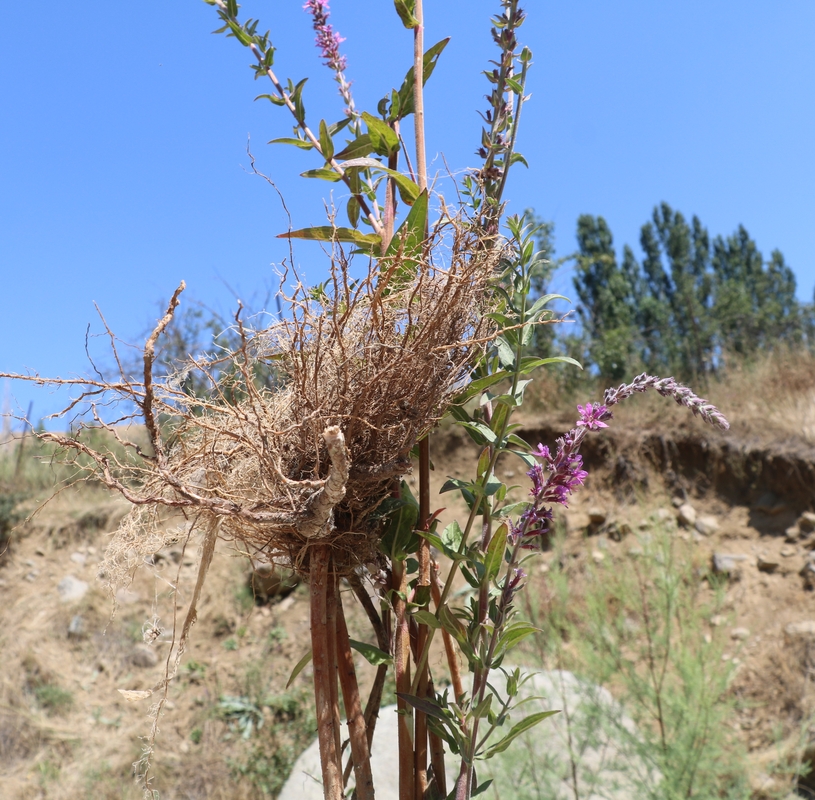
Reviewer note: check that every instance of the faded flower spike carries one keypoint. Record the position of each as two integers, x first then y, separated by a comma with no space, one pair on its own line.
668,387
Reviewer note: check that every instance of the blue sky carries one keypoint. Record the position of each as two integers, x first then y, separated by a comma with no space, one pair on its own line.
124,132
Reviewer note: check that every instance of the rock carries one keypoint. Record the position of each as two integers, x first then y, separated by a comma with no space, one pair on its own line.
728,564
788,550
617,531
143,656
806,522
79,558
766,564
740,634
792,534
801,630
597,516
717,619
71,589
269,580
686,514
32,576
76,627
603,748
808,574
663,515
598,557
707,525
677,501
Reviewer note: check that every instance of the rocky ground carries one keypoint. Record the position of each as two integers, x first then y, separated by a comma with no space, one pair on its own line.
232,728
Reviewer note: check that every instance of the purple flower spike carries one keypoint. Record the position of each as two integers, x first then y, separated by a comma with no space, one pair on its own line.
592,417
327,39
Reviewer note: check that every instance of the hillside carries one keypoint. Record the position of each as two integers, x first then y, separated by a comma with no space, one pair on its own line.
736,506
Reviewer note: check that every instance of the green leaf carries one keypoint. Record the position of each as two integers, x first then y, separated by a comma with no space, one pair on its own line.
373,655
383,138
452,536
427,618
408,190
479,384
400,537
479,432
405,9
452,625
423,704
359,148
523,726
327,233
495,552
530,362
408,241
297,99
352,209
506,355
301,143
431,56
323,173
272,98
326,142
298,668
514,634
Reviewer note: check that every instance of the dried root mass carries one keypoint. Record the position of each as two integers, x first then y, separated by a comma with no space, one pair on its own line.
354,376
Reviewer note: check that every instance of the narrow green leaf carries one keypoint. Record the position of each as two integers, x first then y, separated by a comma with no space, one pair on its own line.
452,536
352,209
359,148
427,618
301,143
373,655
323,173
326,142
530,362
506,355
408,241
479,384
272,98
327,233
423,704
495,552
298,668
431,57
523,726
408,190
452,625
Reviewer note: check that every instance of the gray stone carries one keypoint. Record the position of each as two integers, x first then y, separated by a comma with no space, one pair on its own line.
686,514
808,574
769,503
740,634
806,522
600,731
728,564
71,589
788,550
801,630
707,525
663,515
76,627
79,558
143,656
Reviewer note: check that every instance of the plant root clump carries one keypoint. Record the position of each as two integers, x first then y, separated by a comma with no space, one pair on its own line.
349,381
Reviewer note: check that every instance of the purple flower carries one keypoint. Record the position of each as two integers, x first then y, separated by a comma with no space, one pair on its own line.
592,417
327,39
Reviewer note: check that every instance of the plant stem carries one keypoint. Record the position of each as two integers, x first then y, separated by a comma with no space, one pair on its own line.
353,710
323,645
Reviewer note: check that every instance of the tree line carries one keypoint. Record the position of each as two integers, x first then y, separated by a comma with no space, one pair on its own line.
688,305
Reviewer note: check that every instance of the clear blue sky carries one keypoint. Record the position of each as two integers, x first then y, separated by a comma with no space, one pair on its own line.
124,128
